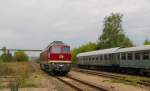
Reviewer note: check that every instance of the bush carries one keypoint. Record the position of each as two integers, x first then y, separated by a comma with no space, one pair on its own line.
20,56
6,57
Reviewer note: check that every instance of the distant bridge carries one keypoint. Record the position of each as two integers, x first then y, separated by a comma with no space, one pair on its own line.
30,50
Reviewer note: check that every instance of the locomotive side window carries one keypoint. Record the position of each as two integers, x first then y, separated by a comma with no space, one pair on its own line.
146,56
56,49
130,57
123,56
137,56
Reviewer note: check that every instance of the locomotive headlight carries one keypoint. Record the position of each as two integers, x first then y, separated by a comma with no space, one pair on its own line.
61,65
61,56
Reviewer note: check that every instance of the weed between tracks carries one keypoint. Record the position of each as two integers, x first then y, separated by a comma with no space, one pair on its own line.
130,80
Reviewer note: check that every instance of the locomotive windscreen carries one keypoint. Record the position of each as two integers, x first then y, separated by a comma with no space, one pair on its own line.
56,49
66,49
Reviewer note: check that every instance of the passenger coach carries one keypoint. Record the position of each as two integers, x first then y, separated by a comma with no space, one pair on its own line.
132,59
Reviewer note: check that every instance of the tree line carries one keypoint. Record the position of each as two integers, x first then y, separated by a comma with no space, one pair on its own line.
112,36
18,56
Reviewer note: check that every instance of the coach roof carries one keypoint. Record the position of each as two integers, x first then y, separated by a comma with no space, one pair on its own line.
139,48
98,52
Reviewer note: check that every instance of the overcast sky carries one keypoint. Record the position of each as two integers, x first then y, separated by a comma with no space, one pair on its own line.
34,24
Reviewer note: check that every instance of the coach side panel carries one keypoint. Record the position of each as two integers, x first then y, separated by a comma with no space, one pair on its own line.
140,59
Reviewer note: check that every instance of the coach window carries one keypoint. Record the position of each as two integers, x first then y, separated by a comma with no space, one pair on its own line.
80,58
84,58
96,58
93,58
105,57
109,57
100,57
89,58
137,56
130,56
146,56
118,56
123,56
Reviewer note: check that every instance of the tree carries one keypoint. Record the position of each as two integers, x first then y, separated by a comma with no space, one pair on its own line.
4,49
84,48
20,56
146,42
6,55
113,35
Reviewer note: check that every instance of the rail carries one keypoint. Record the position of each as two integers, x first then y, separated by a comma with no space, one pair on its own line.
113,76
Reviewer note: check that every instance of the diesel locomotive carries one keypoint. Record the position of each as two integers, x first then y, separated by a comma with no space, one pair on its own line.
56,58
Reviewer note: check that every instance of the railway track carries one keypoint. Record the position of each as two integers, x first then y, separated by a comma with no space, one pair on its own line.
113,76
81,85
75,83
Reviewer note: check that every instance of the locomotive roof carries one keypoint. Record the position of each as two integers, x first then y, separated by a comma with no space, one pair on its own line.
97,52
54,43
138,48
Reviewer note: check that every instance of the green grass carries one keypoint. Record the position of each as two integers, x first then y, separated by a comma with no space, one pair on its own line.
131,80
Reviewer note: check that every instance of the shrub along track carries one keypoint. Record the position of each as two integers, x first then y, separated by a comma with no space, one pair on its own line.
111,75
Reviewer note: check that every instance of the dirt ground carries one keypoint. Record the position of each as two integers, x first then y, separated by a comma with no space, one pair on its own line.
106,82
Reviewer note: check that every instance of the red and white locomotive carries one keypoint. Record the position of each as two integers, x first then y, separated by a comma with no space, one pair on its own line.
56,58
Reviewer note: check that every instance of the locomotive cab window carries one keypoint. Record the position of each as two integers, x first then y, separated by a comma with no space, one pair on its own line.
56,49
66,49
146,56
137,56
